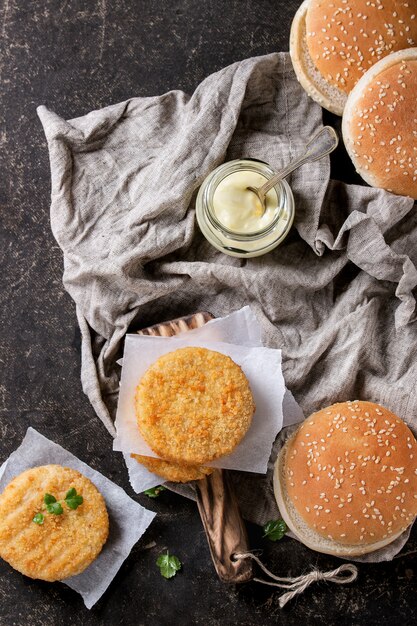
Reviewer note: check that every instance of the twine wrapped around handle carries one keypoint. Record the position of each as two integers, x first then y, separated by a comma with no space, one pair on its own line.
299,584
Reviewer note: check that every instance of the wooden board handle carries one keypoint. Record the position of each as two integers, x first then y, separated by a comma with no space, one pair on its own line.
225,530
219,510
177,326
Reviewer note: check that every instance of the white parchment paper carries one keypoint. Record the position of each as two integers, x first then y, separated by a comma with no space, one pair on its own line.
128,519
262,367
239,336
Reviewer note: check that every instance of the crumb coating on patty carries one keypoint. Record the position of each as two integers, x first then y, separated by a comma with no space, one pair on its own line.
193,405
172,471
64,545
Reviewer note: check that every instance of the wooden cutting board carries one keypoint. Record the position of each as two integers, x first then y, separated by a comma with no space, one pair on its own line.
217,504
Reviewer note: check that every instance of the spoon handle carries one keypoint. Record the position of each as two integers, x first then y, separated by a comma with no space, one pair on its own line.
324,142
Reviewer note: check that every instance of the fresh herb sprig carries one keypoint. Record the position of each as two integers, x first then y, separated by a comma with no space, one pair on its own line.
72,499
168,565
52,506
154,491
275,529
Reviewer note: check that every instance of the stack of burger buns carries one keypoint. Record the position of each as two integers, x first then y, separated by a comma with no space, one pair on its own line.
359,59
334,42
346,481
193,405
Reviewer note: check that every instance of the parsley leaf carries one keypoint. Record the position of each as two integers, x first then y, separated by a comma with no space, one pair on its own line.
154,491
73,500
168,564
275,529
55,508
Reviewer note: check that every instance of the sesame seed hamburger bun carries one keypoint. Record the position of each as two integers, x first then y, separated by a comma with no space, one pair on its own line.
59,546
309,77
346,481
380,124
334,42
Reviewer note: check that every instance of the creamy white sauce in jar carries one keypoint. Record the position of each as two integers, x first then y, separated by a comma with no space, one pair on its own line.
239,209
230,216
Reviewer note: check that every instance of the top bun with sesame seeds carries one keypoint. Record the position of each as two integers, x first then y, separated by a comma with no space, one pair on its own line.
334,42
346,481
380,124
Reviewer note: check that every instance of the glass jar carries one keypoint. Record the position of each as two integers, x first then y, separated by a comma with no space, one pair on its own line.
244,244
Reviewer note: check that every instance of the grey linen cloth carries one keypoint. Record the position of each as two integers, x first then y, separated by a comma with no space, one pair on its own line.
336,296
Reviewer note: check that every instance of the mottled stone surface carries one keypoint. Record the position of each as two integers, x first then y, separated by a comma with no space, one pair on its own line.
75,56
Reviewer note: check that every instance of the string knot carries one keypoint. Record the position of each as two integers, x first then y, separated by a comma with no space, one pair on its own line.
299,584
316,575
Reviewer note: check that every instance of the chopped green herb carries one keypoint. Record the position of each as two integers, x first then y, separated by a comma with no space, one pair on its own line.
275,529
155,491
168,564
55,508
73,500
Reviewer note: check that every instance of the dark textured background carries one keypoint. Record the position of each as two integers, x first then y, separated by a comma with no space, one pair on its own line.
74,56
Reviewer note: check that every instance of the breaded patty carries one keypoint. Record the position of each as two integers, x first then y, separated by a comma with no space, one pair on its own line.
173,471
64,545
193,405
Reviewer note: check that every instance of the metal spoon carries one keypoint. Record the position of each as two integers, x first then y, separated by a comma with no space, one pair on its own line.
324,142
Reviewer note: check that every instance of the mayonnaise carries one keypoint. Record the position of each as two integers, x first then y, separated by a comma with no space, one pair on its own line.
230,216
239,209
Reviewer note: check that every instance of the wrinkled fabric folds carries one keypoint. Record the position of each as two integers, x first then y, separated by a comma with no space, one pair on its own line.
336,297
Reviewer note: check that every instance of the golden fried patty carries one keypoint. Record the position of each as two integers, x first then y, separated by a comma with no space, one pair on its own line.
193,405
173,471
64,545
